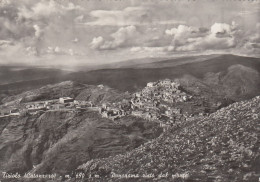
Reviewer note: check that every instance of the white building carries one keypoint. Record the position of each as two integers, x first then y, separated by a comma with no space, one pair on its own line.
166,81
100,86
150,84
64,100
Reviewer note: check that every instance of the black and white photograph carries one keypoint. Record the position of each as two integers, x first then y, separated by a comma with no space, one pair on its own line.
129,90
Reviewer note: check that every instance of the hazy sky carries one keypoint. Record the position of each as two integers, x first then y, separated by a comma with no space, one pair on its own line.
75,32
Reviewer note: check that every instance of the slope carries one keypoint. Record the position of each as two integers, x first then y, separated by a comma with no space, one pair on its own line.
222,147
58,141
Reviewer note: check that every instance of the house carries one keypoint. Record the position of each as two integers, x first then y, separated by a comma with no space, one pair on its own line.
166,81
40,105
57,106
94,108
184,98
150,84
83,103
14,112
36,110
101,110
176,111
137,113
148,115
100,86
175,85
76,102
104,105
104,114
138,94
168,112
64,100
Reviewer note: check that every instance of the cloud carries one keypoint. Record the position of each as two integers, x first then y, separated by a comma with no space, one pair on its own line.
223,29
220,28
76,40
4,3
31,25
44,9
38,31
182,33
157,50
208,42
219,36
61,51
180,30
120,38
187,38
97,42
19,20
31,51
127,16
79,19
5,43
252,43
11,48
11,28
140,15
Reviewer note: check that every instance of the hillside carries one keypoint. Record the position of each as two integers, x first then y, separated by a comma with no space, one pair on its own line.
170,62
59,141
67,88
221,147
219,61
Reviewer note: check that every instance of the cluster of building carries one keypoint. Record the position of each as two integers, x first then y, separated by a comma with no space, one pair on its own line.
63,103
165,90
110,111
155,102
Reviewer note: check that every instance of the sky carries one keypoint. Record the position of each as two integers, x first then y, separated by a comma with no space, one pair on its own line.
88,32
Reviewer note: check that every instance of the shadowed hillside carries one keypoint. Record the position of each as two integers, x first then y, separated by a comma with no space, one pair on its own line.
59,141
11,74
68,88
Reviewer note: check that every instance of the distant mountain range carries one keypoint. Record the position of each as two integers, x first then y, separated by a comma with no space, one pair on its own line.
13,74
216,71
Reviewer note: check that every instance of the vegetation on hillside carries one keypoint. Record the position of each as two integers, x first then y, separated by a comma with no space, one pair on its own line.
221,147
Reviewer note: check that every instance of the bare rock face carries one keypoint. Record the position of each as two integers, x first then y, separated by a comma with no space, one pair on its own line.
59,141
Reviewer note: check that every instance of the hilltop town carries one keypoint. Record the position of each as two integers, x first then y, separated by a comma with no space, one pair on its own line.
164,101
